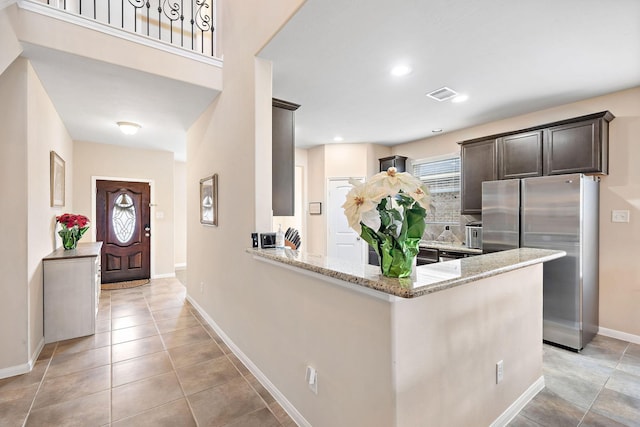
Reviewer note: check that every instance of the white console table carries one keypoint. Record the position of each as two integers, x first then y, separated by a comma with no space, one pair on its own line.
71,292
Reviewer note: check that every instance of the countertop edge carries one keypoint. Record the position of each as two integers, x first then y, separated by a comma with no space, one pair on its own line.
399,287
84,250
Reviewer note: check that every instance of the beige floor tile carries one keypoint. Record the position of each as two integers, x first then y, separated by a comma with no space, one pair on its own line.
126,311
103,325
47,351
73,386
137,348
91,410
238,364
220,405
185,336
549,409
176,413
129,321
25,380
264,394
277,410
194,353
15,404
176,323
618,406
90,342
133,398
139,368
65,364
593,419
625,383
260,418
133,333
201,376
170,313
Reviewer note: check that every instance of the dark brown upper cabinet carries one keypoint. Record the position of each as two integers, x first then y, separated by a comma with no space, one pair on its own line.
479,163
283,157
580,147
398,162
520,155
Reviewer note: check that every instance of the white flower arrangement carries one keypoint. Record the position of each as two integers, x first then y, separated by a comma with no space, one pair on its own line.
388,212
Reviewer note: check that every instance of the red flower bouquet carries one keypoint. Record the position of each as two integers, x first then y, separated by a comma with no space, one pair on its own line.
73,227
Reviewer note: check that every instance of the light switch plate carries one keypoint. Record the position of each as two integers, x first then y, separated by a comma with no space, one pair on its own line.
620,216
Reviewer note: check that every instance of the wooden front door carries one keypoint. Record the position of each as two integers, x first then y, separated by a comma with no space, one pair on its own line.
124,227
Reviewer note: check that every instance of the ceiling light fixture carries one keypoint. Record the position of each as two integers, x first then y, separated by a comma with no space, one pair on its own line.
436,130
129,128
338,138
400,70
460,98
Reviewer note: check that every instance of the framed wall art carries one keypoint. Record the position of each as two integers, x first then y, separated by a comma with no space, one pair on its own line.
56,179
209,200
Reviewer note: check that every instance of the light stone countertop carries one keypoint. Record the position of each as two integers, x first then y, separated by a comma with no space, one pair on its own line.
445,246
426,279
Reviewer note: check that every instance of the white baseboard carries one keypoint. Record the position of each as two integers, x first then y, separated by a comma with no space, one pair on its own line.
277,395
180,266
513,410
24,368
164,276
612,333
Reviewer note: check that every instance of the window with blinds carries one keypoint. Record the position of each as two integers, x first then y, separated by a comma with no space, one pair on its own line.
442,176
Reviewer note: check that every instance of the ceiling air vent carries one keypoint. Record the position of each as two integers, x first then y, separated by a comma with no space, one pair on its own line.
442,94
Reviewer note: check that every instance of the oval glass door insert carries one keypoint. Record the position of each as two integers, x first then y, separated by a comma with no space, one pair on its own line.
124,218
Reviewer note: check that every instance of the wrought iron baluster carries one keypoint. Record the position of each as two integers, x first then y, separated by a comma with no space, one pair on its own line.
182,23
94,9
203,21
137,4
159,21
148,16
192,22
171,11
109,11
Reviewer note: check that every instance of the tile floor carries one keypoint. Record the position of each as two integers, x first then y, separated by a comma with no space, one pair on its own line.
152,362
598,387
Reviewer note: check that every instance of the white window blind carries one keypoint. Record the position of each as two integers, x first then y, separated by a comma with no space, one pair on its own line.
442,177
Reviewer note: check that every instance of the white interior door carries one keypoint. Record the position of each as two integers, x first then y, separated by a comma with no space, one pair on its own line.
342,241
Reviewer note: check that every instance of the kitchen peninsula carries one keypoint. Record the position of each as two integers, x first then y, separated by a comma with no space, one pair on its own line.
408,352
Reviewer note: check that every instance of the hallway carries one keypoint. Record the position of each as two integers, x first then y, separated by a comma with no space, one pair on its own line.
152,362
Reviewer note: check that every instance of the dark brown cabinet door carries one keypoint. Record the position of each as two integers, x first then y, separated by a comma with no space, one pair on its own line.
283,158
577,148
123,227
479,164
520,155
398,162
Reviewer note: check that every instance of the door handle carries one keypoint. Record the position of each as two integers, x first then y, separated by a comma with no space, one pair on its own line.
358,238
147,228
147,235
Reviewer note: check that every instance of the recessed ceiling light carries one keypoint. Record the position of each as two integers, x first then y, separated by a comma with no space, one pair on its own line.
338,138
436,130
129,128
400,70
460,98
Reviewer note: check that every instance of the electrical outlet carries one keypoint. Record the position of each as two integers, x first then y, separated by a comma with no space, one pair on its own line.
620,216
311,377
499,371
201,287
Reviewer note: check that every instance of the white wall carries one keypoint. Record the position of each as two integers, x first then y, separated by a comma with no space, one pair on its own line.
30,234
180,214
122,163
619,269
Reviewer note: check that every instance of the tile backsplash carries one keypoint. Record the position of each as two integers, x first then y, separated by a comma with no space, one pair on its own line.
433,231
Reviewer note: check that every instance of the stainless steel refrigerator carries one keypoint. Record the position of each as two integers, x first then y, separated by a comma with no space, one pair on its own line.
552,212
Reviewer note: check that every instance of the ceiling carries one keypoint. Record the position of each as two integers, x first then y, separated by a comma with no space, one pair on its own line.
91,96
334,57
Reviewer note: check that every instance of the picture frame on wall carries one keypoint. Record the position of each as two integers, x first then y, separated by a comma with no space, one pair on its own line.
56,179
209,200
